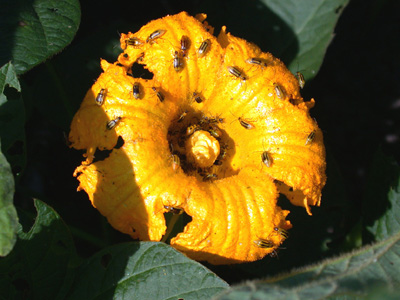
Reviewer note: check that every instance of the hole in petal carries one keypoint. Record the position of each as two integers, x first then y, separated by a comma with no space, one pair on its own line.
139,71
100,155
120,143
176,221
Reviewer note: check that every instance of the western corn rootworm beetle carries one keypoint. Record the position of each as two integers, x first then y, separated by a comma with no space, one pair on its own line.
205,45
155,35
301,79
174,210
136,90
100,97
266,159
111,124
176,162
263,243
185,44
310,138
159,95
182,116
197,97
237,73
177,62
133,41
283,232
246,124
279,91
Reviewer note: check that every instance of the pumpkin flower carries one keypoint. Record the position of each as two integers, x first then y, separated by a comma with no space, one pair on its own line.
217,133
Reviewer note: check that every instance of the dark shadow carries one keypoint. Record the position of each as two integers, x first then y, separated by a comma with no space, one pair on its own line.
46,249
10,20
103,272
383,176
111,165
12,131
107,158
358,102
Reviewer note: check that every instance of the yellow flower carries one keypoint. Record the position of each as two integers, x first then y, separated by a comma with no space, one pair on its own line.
218,132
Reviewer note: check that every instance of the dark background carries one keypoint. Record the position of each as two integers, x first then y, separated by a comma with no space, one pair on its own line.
357,92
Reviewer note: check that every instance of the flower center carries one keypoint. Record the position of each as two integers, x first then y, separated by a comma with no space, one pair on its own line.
202,149
200,143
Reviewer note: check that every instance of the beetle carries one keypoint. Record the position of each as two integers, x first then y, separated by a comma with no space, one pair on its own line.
185,44
176,162
263,243
282,232
177,62
266,159
210,177
192,128
155,35
310,138
301,79
133,41
111,124
279,91
182,116
205,45
237,73
159,95
246,124
136,90
100,97
174,210
257,61
197,97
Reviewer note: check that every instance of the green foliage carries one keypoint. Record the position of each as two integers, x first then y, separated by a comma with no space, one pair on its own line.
382,201
312,23
12,117
33,31
353,274
127,271
298,32
41,263
8,214
144,270
348,249
8,77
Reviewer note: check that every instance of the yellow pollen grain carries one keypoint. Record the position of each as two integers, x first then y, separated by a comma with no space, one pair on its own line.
202,149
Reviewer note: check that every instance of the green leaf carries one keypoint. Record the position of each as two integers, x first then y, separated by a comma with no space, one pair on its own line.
381,208
33,30
12,118
144,270
8,76
8,214
40,265
297,32
351,275
312,23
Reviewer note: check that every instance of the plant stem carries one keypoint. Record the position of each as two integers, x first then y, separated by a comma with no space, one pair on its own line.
170,226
